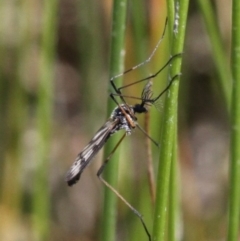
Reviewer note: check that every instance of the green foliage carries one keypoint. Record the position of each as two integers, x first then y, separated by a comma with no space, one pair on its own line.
116,67
41,198
53,90
234,167
168,141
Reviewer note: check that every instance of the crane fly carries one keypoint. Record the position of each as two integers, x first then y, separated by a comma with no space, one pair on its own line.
123,117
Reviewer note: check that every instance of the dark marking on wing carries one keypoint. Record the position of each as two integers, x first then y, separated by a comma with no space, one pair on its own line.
86,155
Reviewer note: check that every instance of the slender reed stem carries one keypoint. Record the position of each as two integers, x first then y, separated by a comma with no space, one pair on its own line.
111,171
170,118
234,175
173,197
151,177
217,47
41,198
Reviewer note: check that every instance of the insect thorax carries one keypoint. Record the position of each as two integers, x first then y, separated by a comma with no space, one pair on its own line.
123,119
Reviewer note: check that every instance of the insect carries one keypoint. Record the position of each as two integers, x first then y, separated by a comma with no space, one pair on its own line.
123,117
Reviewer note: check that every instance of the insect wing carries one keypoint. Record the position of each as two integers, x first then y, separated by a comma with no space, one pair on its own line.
84,158
147,91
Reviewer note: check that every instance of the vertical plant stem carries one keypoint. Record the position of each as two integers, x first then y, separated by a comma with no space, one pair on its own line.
139,25
41,198
234,195
111,171
151,177
141,42
91,58
14,113
173,196
219,56
169,121
3,88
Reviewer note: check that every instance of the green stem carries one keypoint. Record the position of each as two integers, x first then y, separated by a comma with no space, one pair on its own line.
234,198
111,171
169,122
173,197
219,56
41,198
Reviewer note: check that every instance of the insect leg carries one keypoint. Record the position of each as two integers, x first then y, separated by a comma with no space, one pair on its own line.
145,61
127,96
153,75
144,132
168,86
149,99
118,90
99,173
150,171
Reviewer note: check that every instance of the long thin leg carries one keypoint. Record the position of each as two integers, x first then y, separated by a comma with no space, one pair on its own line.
167,87
144,132
140,98
117,90
150,76
100,171
147,60
126,96
151,178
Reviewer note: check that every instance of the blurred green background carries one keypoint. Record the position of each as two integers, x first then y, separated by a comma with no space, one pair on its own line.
53,93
